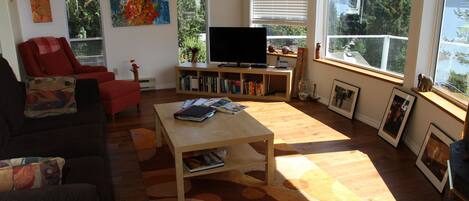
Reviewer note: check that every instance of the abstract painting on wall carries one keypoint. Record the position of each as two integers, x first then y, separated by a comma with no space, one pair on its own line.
139,12
41,11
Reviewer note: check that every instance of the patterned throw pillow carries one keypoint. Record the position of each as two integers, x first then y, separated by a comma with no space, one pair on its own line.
50,96
30,173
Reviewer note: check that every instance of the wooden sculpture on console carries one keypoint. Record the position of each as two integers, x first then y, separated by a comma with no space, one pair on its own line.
134,69
425,83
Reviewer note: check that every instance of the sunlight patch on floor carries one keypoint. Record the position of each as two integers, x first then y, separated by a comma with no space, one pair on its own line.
284,120
359,168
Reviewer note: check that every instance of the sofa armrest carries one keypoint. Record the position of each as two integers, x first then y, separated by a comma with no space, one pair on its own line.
87,92
90,69
67,192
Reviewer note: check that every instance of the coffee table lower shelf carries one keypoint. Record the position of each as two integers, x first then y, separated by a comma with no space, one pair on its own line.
238,156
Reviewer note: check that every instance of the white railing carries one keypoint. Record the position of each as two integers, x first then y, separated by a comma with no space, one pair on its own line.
89,59
85,39
386,44
285,37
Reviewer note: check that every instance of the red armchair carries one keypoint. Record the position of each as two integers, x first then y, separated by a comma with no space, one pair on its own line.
48,56
62,60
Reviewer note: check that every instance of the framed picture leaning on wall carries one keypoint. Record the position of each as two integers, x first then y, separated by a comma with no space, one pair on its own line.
395,117
343,98
433,156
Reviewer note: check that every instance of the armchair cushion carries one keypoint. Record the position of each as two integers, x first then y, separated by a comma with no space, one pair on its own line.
99,76
90,69
55,63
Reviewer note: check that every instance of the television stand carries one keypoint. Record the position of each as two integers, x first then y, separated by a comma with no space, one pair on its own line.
253,83
235,65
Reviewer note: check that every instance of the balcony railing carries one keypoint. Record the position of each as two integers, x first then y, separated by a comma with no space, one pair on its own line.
385,47
89,51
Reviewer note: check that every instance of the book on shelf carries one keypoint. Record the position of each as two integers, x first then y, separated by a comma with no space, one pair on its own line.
253,88
196,113
189,83
208,84
230,86
202,162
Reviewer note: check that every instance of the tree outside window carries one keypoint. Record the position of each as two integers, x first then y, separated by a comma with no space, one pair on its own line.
369,33
192,26
452,65
84,25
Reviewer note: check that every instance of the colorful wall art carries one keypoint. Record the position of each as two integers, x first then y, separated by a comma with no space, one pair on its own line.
41,11
139,12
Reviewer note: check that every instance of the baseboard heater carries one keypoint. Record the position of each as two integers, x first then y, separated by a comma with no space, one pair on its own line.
147,84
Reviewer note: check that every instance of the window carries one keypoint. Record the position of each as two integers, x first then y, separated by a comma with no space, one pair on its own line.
84,27
452,64
368,33
285,21
192,29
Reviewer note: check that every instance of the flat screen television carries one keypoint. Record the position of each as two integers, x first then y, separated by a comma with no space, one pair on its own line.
238,45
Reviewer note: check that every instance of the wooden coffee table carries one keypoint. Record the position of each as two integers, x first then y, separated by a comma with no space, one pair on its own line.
222,130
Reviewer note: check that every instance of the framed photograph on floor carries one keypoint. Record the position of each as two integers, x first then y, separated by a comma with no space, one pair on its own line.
395,118
343,98
433,156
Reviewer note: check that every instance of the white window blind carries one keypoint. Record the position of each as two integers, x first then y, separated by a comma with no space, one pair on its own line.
279,11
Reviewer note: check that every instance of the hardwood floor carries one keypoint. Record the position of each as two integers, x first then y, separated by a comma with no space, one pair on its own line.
349,151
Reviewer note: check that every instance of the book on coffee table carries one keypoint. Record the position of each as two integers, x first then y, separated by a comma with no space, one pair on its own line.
195,113
205,161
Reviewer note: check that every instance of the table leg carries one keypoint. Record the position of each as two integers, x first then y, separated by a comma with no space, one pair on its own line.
158,131
270,159
179,175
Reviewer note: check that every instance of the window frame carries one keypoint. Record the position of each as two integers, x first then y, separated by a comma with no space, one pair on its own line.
207,27
437,30
255,23
101,38
324,48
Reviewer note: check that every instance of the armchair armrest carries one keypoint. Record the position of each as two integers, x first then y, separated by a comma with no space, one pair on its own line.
87,92
67,192
90,69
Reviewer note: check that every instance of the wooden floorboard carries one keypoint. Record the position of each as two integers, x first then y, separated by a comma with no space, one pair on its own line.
348,150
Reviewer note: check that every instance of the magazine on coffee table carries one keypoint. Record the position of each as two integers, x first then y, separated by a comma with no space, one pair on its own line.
221,104
205,161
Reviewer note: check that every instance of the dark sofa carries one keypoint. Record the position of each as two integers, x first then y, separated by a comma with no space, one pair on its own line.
80,138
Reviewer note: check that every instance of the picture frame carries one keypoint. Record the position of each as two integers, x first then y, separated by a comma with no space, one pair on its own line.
396,115
343,98
433,155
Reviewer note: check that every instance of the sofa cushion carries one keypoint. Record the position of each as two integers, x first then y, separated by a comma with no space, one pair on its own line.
77,170
91,114
12,101
55,63
118,88
100,76
50,96
70,142
30,173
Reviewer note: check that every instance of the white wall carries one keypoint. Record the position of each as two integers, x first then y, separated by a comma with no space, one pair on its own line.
153,46
58,27
374,93
226,13
9,34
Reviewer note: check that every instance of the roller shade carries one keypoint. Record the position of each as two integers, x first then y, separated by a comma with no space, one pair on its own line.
279,11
